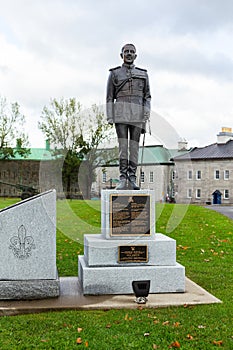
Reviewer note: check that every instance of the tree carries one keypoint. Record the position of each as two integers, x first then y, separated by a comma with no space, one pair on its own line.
77,134
11,130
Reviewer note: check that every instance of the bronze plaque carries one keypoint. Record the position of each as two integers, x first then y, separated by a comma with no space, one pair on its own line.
130,215
132,253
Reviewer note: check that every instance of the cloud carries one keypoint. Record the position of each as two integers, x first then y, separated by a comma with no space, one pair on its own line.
58,48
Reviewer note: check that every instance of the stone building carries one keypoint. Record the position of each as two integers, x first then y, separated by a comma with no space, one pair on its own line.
202,175
205,175
40,170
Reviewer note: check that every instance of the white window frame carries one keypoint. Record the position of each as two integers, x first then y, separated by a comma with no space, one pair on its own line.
198,193
226,194
151,177
104,177
215,174
189,193
142,175
190,175
226,174
173,193
198,175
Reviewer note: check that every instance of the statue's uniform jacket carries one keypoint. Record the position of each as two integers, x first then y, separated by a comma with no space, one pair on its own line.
128,95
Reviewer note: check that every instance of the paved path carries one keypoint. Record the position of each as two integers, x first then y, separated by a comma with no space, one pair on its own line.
71,298
223,209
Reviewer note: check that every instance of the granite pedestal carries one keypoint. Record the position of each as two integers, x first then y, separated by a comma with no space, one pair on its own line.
128,249
28,249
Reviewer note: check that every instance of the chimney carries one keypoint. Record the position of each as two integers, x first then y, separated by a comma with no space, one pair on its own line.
224,135
182,145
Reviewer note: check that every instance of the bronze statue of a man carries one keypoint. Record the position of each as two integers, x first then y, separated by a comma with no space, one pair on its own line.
128,107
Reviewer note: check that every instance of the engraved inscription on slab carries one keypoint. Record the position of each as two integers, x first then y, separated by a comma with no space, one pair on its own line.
132,253
22,244
130,215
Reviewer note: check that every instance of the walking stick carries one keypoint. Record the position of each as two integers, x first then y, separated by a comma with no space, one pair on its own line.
143,146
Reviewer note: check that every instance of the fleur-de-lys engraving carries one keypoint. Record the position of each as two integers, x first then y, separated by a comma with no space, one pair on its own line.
22,244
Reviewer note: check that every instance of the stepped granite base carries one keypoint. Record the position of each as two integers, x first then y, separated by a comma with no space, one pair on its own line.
99,251
118,280
128,249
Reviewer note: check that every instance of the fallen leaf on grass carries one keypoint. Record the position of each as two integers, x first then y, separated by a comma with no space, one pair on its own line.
127,318
182,247
67,325
79,330
79,340
201,326
165,323
218,342
146,334
190,337
156,321
86,344
176,324
108,325
175,344
44,340
155,346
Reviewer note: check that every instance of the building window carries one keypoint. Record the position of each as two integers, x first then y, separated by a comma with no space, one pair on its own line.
142,177
151,176
226,194
104,177
226,174
198,175
190,175
173,193
217,175
198,193
189,194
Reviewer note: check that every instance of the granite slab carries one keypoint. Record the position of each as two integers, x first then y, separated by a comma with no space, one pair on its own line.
99,251
29,289
28,239
118,280
72,298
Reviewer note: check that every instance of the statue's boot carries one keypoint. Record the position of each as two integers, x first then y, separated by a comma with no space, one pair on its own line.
132,183
122,184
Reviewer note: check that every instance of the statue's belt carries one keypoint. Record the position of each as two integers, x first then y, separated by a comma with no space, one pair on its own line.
135,93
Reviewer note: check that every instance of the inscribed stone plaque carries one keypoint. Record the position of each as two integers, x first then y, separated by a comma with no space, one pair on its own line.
130,215
28,239
133,253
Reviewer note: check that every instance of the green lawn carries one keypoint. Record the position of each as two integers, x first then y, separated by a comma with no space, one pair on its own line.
204,247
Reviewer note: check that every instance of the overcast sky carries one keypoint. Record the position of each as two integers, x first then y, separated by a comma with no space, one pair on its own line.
64,48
